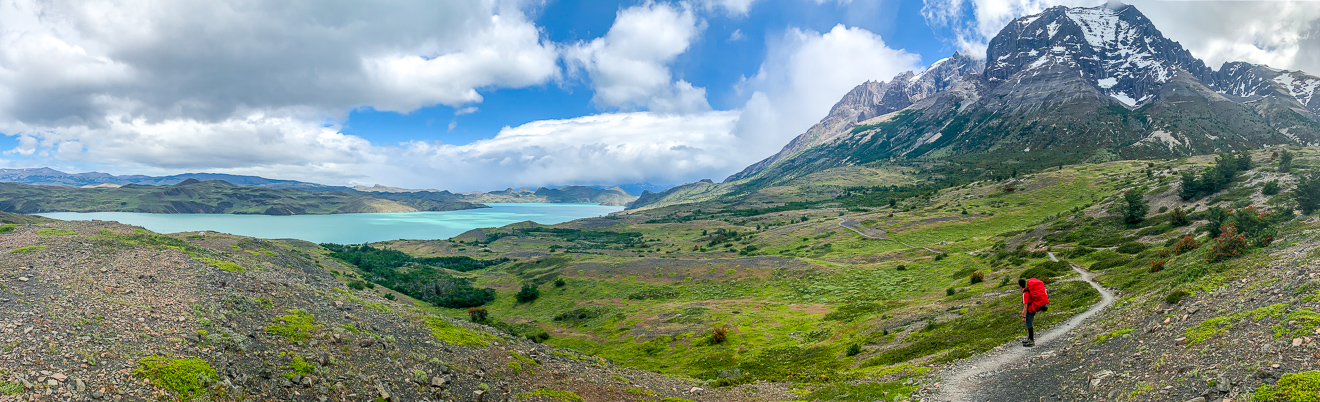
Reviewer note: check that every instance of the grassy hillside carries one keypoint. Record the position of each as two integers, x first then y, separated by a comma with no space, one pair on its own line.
215,197
769,287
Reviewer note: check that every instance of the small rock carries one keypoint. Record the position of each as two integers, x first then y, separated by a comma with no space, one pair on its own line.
695,390
78,384
1181,340
384,393
1297,342
307,381
59,376
439,382
23,279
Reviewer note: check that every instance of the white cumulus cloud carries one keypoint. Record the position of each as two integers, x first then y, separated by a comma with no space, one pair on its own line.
629,65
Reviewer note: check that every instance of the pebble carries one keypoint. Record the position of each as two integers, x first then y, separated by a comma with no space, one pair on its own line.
23,279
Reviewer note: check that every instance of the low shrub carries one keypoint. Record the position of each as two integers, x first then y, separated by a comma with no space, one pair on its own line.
1176,296
1230,244
718,336
976,277
1157,265
1270,188
854,350
1188,243
187,377
477,314
1295,387
1178,217
950,291
1131,248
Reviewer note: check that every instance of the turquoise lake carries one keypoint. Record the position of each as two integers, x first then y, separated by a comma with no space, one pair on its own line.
352,228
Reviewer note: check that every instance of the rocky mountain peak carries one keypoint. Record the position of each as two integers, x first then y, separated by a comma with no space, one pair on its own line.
1255,81
1113,45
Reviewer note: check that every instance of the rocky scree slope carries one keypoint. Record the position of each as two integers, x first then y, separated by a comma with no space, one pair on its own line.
101,311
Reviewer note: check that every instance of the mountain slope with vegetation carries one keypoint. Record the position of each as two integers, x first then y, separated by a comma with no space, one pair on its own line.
215,197
763,289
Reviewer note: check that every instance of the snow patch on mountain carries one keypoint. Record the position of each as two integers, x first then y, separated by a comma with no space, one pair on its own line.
1107,83
1124,98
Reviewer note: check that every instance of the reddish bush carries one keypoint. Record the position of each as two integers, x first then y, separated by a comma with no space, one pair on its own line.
1188,243
477,314
1230,244
977,277
1157,265
718,336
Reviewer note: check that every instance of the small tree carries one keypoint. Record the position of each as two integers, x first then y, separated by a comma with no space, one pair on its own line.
528,293
1285,161
1178,217
559,282
1217,217
1307,193
1136,208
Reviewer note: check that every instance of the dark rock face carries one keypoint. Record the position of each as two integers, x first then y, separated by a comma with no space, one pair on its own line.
872,99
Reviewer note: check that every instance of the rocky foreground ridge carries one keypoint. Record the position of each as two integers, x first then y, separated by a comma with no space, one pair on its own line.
104,311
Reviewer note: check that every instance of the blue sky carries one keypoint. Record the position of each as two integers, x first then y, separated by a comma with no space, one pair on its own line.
488,94
714,62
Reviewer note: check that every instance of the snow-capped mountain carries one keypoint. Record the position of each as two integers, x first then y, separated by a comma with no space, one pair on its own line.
1064,85
1116,47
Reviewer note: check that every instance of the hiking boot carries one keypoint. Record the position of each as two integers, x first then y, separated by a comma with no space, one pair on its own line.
1028,343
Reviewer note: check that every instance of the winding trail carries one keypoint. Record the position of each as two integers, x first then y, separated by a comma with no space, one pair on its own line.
872,233
962,381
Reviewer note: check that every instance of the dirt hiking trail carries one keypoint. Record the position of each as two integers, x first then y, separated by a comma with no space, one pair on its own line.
963,380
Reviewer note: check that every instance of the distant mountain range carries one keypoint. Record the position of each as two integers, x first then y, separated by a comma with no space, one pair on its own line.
210,199
1066,85
51,177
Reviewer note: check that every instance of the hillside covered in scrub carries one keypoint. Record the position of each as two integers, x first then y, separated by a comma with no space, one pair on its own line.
875,289
879,287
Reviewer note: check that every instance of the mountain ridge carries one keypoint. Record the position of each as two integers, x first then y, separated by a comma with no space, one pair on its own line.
1083,83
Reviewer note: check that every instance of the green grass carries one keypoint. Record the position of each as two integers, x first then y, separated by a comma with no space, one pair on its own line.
55,232
558,396
7,228
446,332
11,388
28,249
295,327
1102,338
864,392
224,265
187,377
1219,325
1294,387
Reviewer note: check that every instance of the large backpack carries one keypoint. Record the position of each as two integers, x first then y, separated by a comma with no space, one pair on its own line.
1039,298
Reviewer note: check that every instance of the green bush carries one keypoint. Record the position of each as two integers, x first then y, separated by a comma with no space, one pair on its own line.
950,291
294,327
528,293
976,277
7,228
854,350
1307,193
1270,188
1136,207
1131,248
55,232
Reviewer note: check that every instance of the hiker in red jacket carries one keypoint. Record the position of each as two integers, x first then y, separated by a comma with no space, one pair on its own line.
1034,299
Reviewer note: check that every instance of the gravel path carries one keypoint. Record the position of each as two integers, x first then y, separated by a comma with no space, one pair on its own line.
963,381
872,233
